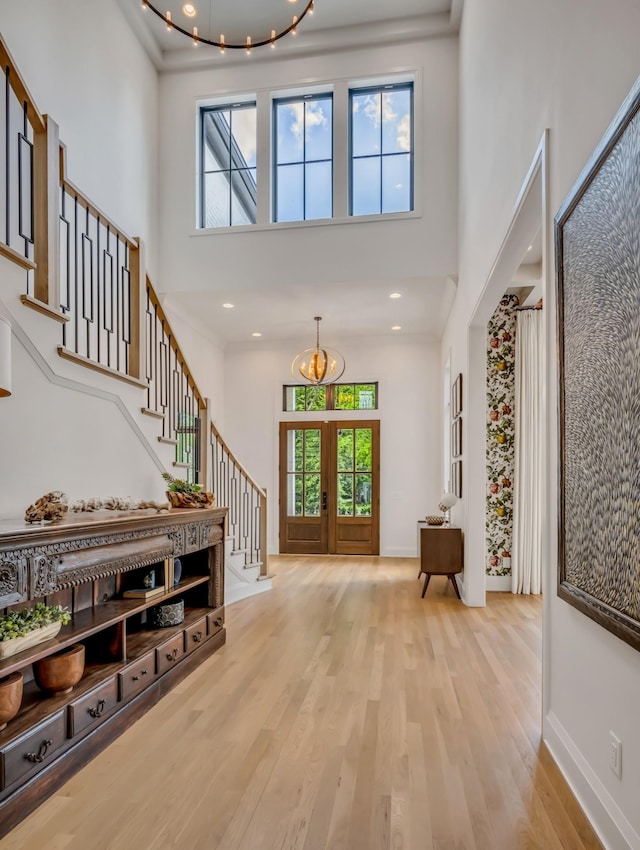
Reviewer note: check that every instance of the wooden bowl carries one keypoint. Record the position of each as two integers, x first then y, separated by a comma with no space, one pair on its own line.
10,698
60,673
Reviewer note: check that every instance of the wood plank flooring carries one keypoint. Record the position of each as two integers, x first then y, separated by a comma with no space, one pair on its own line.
344,713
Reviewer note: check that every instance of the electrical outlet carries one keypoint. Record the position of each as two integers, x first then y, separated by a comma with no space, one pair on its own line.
615,754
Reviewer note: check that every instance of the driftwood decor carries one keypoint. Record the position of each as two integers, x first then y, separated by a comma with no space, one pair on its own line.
598,288
54,506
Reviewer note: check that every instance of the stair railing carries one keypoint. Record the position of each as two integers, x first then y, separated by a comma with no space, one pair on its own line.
247,503
86,273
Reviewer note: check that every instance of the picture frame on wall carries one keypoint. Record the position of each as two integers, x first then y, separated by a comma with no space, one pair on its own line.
456,397
598,296
456,437
456,478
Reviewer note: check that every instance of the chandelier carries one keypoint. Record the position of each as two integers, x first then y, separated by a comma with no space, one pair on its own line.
318,365
196,35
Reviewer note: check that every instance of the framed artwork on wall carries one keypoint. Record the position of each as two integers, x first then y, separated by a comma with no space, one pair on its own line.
598,326
456,437
456,397
456,478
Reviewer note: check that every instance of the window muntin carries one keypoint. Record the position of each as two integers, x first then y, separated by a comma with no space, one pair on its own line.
303,158
228,144
381,141
302,397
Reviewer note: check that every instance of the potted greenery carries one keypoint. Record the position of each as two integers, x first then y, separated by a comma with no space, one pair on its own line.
182,494
23,629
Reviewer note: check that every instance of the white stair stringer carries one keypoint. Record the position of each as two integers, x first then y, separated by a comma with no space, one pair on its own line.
241,582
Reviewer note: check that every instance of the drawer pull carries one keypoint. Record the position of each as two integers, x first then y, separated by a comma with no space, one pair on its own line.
217,621
144,672
197,637
40,756
98,711
136,678
171,656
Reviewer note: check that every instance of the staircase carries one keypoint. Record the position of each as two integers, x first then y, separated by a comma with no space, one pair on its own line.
94,326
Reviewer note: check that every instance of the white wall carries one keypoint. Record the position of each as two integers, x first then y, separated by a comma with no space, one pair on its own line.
360,251
204,355
525,67
87,70
410,402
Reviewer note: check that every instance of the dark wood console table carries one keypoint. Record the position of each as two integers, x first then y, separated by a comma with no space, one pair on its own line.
440,551
85,563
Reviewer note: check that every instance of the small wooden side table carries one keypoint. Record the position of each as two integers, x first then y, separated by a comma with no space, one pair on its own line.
440,553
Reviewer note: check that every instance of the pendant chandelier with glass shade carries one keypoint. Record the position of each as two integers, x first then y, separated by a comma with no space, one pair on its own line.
211,22
318,365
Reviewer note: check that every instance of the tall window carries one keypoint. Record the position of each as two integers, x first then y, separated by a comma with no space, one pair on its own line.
382,149
228,157
303,168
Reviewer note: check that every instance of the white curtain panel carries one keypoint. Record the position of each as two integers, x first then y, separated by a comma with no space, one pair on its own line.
526,564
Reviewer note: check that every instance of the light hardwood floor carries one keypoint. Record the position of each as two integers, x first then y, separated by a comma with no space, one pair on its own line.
345,713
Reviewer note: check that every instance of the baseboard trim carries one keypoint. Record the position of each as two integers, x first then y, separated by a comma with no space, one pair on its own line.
498,584
400,552
609,822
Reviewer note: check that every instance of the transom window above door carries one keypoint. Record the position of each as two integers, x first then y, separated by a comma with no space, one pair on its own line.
331,397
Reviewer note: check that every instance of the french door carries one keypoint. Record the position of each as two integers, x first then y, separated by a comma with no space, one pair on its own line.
330,488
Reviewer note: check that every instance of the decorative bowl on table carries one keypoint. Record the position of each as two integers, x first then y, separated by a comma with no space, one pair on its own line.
60,673
10,697
434,519
168,614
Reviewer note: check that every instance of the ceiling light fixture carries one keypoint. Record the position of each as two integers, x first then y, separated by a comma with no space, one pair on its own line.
396,295
256,333
228,306
318,365
396,327
271,35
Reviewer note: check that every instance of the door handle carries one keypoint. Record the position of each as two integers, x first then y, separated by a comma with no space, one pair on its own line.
324,500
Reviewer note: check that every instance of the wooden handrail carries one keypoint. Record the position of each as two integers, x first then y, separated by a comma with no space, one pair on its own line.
84,202
20,88
181,359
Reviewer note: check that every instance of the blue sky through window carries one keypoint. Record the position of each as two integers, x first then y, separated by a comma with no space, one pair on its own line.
381,151
304,153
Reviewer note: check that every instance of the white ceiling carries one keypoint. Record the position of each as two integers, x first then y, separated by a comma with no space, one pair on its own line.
340,23
348,310
352,309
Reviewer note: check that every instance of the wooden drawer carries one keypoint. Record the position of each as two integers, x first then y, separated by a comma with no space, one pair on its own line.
215,621
34,750
195,635
137,676
92,707
169,653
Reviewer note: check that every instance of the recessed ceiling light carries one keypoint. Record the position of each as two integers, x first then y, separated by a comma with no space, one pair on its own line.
228,306
530,248
396,295
189,9
256,334
396,327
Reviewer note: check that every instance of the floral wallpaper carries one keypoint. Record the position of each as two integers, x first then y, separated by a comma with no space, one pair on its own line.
501,355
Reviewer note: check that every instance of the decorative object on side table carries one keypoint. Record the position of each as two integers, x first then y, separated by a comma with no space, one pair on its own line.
183,494
447,501
10,697
169,614
435,519
48,508
21,630
60,673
